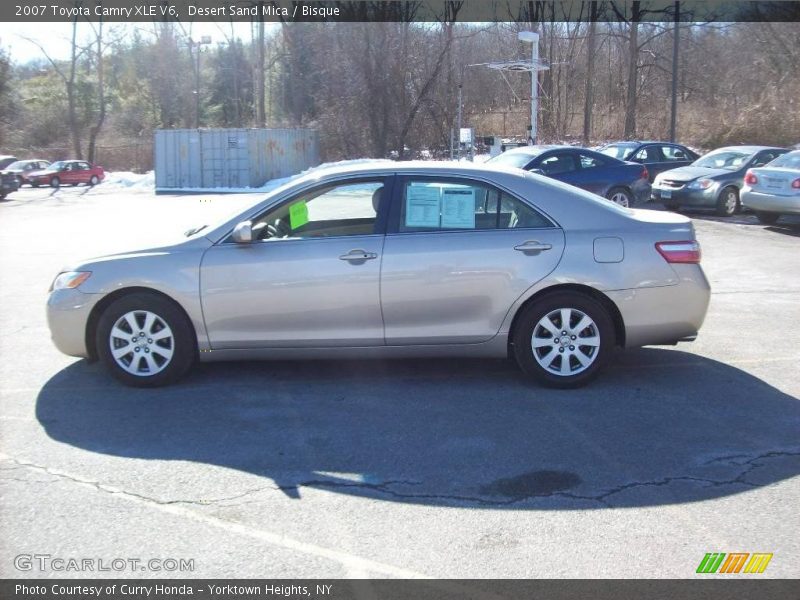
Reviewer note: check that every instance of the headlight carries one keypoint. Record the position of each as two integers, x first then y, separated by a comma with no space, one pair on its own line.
69,280
701,184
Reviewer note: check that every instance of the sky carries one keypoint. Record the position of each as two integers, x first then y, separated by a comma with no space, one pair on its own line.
55,37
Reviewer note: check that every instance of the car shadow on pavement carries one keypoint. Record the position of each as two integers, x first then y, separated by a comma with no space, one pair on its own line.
660,427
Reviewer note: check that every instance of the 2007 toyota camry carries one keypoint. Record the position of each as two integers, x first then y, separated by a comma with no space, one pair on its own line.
394,260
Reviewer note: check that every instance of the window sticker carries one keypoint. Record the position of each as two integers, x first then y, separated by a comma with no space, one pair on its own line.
423,205
458,208
298,214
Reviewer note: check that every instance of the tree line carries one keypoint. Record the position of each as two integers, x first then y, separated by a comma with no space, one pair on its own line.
383,89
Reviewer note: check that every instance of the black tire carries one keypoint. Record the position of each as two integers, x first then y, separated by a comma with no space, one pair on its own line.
184,346
728,202
20,181
527,325
621,192
34,184
767,218
672,206
55,182
2,196
94,181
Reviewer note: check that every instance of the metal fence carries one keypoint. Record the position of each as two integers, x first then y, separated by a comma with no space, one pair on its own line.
231,158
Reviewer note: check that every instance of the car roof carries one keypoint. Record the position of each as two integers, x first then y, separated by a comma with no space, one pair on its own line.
750,149
412,166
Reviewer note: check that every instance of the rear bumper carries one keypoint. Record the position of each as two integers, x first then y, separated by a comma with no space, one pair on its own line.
789,205
668,314
67,316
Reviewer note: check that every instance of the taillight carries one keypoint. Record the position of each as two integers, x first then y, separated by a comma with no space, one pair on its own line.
645,173
796,184
750,178
680,252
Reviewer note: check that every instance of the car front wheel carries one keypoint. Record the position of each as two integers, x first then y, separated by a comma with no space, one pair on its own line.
728,202
564,340
55,182
145,340
94,181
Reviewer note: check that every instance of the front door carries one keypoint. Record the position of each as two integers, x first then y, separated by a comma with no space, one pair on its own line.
309,279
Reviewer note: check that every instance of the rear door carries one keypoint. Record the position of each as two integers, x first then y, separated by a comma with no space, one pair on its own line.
459,252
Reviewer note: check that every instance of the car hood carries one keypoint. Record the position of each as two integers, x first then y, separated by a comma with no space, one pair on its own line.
194,243
690,173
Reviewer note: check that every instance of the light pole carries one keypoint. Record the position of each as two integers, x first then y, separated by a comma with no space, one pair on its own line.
532,38
533,67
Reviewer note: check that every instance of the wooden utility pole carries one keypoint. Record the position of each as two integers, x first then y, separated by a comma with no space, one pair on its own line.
673,116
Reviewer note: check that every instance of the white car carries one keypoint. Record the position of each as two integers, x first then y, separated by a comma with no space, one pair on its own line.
774,189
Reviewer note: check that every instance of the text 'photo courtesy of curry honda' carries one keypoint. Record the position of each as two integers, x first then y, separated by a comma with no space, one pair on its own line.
394,260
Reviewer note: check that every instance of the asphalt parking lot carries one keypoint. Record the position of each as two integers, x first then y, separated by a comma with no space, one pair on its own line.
443,468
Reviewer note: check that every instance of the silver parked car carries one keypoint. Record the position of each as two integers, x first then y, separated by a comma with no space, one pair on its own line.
394,260
774,189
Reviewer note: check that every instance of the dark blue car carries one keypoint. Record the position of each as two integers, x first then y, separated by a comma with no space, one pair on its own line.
656,156
625,183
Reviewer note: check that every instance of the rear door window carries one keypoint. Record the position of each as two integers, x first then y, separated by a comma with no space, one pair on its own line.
447,205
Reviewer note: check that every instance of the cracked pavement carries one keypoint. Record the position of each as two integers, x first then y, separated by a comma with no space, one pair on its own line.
448,468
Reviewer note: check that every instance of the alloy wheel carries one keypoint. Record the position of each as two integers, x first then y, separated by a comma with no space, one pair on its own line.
141,343
565,341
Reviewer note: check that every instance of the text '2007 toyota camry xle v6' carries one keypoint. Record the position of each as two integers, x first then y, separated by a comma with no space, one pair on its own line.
394,260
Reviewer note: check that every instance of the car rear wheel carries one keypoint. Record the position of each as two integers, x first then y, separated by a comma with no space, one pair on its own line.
55,182
728,202
94,180
563,340
20,180
145,340
34,184
621,196
767,218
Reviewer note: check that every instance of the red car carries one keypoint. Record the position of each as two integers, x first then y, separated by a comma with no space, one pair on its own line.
68,171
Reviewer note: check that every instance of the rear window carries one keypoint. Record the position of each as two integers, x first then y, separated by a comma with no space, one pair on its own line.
512,159
790,160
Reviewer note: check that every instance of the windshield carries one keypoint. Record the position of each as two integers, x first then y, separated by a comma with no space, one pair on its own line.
619,151
729,160
20,164
57,166
790,160
513,159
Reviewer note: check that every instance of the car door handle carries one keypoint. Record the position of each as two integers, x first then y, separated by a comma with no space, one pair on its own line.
355,255
533,246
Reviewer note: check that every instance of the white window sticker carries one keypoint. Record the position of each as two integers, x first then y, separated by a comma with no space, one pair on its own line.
458,208
423,206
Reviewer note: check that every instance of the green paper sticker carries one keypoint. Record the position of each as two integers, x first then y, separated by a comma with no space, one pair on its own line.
298,214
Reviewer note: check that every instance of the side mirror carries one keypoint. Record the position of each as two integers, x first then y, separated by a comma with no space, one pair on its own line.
243,232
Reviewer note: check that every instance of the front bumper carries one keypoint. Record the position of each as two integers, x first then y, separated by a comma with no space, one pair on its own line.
787,205
667,314
68,313
686,196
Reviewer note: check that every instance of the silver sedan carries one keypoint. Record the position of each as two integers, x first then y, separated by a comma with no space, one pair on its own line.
394,260
774,189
